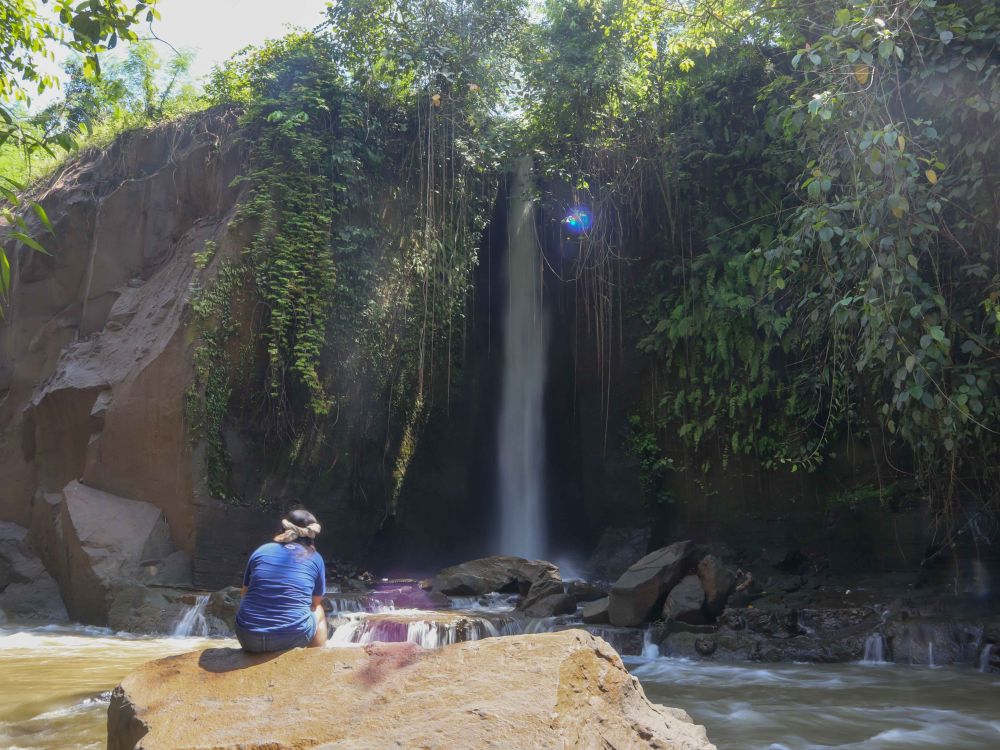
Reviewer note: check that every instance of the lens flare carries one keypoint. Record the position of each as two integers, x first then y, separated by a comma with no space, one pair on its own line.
578,220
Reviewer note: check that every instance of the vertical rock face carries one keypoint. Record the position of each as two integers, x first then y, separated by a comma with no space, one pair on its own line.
95,358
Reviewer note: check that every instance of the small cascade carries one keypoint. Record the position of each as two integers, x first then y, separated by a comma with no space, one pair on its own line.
193,622
874,649
348,604
984,657
493,602
420,627
930,655
650,650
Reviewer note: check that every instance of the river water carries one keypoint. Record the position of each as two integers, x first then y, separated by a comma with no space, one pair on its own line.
56,680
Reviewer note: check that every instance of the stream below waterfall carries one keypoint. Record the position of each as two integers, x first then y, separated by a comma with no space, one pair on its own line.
56,684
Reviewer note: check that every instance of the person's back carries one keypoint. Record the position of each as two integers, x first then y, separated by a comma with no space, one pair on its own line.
283,588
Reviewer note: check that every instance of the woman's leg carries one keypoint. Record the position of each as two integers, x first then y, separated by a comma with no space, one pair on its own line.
320,636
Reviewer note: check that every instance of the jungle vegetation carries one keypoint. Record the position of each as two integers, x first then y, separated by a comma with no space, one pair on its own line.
795,204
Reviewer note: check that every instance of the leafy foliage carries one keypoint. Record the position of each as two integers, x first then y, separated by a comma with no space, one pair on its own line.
87,28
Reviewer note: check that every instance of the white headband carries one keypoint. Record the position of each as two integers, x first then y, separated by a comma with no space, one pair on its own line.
292,532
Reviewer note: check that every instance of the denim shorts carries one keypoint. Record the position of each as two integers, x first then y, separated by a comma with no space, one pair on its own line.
256,643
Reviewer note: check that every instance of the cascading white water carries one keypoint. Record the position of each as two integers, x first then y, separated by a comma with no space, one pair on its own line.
193,621
984,657
420,627
650,650
522,429
874,649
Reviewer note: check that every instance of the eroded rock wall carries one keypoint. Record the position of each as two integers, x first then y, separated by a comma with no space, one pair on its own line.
95,350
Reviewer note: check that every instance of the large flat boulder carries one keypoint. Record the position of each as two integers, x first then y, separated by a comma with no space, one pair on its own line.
637,595
91,540
497,573
555,690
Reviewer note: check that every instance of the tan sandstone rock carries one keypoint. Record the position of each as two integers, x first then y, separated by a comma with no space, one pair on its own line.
556,690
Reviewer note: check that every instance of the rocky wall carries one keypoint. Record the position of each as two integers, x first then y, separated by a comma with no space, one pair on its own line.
95,350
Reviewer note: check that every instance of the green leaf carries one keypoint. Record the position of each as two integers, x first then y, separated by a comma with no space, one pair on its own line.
34,245
43,217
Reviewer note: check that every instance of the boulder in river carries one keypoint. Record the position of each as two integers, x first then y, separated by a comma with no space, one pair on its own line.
94,541
718,581
27,591
685,602
498,573
637,594
596,612
566,689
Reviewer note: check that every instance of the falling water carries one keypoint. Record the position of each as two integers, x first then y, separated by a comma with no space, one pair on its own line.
874,649
984,657
193,621
930,655
521,443
650,650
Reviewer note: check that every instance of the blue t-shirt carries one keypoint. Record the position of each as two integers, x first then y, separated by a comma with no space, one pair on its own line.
281,580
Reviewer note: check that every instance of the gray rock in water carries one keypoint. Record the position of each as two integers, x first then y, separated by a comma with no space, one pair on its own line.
550,606
223,606
685,602
718,582
497,573
136,608
29,593
596,612
636,595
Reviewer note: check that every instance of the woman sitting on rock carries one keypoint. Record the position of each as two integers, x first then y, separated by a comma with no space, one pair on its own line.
283,589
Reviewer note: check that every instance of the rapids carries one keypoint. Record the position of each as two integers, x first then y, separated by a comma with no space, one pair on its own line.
57,680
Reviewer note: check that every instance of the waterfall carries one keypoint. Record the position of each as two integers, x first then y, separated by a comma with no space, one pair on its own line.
984,657
649,649
193,621
930,655
522,438
874,649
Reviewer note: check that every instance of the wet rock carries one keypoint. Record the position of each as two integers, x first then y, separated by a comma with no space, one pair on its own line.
223,606
547,598
550,606
27,592
685,602
37,601
500,573
564,689
626,641
637,594
717,581
596,612
616,550
585,591
136,608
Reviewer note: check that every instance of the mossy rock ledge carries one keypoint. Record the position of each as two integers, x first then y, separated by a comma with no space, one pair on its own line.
553,690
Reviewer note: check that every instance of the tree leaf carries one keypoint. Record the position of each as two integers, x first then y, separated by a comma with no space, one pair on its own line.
931,176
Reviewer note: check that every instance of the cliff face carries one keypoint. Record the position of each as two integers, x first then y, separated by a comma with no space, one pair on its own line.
95,358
